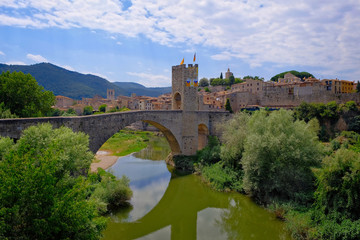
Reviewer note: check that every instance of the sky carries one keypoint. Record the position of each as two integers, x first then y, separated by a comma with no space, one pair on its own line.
139,41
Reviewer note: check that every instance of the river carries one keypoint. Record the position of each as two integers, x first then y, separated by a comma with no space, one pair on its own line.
170,205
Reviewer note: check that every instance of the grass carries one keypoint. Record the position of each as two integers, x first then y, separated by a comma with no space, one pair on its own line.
125,142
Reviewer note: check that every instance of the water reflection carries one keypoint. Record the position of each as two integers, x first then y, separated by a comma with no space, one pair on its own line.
174,206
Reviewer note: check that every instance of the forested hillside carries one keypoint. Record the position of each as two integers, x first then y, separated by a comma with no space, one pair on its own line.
76,85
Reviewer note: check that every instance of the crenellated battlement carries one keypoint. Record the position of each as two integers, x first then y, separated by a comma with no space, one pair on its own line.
183,66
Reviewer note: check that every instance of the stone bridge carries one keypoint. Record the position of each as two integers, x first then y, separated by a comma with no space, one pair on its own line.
186,131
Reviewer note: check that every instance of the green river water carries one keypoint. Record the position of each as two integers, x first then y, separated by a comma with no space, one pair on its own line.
170,205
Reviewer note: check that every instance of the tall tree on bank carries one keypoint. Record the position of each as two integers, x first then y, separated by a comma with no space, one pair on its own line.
22,95
228,106
46,190
278,156
221,76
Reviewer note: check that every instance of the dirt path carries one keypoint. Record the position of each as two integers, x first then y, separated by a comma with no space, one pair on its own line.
105,160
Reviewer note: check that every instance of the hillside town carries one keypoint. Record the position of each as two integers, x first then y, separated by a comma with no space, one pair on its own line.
287,92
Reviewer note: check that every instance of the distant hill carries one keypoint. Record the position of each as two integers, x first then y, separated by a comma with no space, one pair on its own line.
76,85
300,75
141,90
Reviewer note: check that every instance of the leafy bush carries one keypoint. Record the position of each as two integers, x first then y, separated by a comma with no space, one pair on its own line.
109,192
102,108
88,110
338,185
278,155
211,153
222,177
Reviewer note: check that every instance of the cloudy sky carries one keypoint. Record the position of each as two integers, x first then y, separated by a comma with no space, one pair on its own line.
139,41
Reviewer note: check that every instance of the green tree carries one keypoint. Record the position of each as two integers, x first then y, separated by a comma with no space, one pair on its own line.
278,155
358,87
88,110
46,191
228,106
221,75
233,138
43,190
102,108
6,113
22,95
231,80
338,185
204,82
337,209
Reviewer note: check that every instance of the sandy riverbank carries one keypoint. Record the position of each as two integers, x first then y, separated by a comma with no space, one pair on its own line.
105,159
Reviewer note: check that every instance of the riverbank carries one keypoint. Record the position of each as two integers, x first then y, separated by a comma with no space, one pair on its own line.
121,144
104,160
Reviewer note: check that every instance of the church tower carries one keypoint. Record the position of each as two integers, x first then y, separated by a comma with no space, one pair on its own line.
185,87
110,94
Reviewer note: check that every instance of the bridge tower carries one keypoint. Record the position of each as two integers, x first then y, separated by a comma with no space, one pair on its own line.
185,98
185,87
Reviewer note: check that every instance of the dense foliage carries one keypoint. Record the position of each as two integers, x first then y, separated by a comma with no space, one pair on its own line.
224,82
204,82
328,114
46,191
276,158
22,96
300,75
278,155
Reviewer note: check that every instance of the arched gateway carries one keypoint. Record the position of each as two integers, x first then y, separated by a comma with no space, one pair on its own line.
180,127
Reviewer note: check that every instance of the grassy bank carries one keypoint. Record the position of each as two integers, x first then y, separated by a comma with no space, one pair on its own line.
126,141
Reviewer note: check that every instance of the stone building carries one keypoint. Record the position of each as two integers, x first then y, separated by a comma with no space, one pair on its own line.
63,102
339,86
228,74
289,78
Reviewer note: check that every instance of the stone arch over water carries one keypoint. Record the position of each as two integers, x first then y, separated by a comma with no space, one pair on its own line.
174,145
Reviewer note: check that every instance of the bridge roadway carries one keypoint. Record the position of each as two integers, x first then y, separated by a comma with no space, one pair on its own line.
179,127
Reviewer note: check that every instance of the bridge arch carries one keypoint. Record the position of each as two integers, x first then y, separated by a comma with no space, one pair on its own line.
174,144
203,133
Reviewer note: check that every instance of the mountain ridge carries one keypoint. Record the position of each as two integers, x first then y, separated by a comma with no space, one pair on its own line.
77,85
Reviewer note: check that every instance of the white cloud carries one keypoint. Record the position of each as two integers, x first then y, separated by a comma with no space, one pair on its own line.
36,58
15,63
305,32
151,80
67,67
1,53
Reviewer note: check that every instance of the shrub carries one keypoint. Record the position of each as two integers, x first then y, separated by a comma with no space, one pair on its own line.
338,185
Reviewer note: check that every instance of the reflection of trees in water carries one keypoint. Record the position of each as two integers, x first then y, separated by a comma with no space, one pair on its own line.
158,149
122,214
244,220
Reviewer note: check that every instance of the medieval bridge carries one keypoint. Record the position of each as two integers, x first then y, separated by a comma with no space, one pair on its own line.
186,132
185,128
